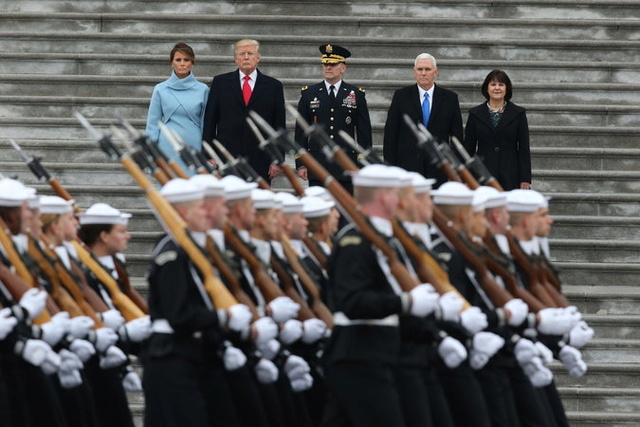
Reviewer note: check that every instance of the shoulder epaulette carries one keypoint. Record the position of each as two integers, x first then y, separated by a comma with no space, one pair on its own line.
304,88
361,90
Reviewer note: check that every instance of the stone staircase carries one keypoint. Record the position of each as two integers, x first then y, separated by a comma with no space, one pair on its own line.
574,65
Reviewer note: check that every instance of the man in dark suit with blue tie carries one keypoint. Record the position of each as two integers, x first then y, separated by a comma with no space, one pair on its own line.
232,96
425,102
336,105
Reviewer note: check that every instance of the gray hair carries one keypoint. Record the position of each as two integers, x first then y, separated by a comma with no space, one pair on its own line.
425,56
246,42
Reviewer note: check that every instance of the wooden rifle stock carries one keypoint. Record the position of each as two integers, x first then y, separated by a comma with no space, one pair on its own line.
289,287
129,310
522,260
398,269
288,171
315,250
321,311
269,289
229,278
428,269
219,294
499,296
129,290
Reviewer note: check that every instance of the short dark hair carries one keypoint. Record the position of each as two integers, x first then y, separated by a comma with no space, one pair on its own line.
500,76
182,48
89,233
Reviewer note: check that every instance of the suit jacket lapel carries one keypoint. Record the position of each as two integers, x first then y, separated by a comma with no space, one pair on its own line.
508,116
258,88
414,104
236,89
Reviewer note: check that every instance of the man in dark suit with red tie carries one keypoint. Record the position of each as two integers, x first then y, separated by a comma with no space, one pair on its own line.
232,96
438,110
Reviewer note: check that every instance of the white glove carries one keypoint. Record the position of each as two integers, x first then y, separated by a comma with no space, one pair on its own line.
70,379
301,384
518,310
80,326
580,335
424,300
50,332
291,331
525,350
296,367
136,330
233,358
239,317
313,330
104,338
51,364
556,321
32,351
452,352
266,371
112,358
61,319
538,374
450,305
83,349
33,300
544,353
283,309
571,358
264,329
69,361
268,349
132,382
7,322
485,345
111,319
473,320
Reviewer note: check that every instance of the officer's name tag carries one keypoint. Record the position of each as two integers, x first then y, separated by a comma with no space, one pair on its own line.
315,104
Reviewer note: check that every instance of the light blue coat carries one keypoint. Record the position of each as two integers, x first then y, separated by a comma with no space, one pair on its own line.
180,105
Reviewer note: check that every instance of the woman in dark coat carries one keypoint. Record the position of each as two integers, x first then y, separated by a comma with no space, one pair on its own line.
498,132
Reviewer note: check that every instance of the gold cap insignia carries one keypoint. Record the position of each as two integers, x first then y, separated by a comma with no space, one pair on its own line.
329,48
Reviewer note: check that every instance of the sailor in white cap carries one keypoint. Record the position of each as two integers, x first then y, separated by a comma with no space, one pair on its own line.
362,353
334,214
183,359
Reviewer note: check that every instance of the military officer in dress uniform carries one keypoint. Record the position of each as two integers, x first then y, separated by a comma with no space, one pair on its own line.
336,105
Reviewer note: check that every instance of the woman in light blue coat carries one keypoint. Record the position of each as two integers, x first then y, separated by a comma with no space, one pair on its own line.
179,103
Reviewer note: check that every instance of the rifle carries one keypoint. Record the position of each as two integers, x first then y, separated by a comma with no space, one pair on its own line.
41,173
368,154
477,168
219,294
169,166
192,158
241,167
398,269
269,146
428,143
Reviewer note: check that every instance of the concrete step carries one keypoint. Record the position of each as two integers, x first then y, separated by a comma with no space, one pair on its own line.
586,181
609,326
590,273
592,399
603,419
584,158
606,304
593,9
596,227
594,203
592,250
342,26
619,375
612,351
366,68
280,45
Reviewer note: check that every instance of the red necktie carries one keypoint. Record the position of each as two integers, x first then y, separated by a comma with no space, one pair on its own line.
246,90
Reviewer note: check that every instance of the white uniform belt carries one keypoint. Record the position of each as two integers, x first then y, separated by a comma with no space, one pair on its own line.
162,326
341,319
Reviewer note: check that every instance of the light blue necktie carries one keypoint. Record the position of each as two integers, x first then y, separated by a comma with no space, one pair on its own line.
426,111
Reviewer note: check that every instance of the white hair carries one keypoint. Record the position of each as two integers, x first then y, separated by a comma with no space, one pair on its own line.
425,56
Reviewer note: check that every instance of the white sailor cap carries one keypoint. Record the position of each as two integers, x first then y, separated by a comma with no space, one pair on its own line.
13,193
290,203
236,188
317,191
263,199
381,176
420,183
55,205
479,201
212,185
313,207
524,201
406,180
494,198
34,202
180,190
102,213
544,200
452,193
